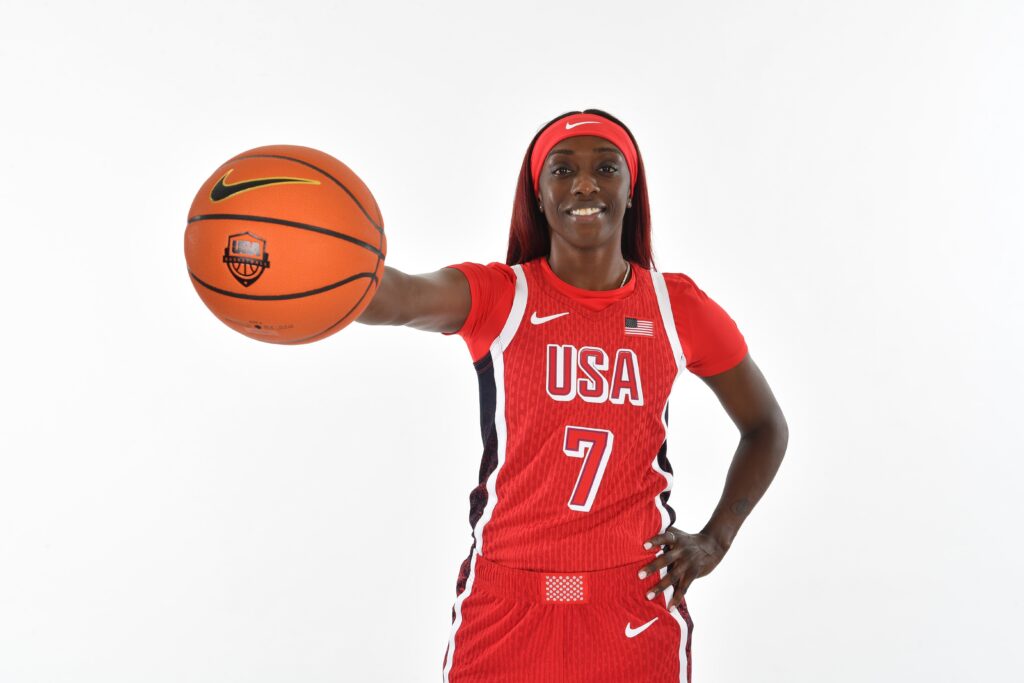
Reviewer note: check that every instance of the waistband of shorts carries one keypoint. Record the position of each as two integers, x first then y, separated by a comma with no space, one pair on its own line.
565,588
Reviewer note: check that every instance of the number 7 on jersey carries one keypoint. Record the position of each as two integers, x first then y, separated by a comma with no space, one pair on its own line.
593,446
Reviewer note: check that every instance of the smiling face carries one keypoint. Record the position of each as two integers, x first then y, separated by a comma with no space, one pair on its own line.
584,191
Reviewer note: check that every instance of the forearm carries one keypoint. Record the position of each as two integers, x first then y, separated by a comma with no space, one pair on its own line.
434,302
386,306
753,467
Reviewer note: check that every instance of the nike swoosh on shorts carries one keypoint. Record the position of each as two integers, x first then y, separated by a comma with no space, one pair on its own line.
632,632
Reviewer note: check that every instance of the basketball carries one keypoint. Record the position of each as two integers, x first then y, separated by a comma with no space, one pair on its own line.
285,244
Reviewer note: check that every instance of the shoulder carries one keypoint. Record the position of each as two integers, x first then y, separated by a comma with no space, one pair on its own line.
711,340
492,290
492,274
681,285
684,293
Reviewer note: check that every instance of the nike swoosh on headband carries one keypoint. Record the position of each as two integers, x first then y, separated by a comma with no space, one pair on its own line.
570,126
222,190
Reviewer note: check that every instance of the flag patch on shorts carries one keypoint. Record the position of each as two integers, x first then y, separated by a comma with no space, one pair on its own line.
565,588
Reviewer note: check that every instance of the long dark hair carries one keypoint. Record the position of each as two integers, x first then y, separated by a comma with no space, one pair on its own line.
528,236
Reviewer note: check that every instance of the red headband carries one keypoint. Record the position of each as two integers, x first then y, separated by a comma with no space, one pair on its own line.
583,124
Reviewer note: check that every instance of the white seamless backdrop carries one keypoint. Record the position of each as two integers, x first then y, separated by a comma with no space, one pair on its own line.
180,503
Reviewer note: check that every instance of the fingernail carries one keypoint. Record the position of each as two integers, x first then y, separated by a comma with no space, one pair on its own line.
647,546
642,574
650,596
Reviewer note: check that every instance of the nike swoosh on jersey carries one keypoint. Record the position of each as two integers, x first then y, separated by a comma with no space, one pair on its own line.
223,190
570,126
537,320
632,632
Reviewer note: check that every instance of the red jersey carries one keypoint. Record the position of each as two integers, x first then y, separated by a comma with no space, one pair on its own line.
574,388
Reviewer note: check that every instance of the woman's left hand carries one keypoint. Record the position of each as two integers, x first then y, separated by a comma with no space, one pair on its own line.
688,557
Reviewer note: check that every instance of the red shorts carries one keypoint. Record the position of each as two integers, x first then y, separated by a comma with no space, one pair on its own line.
515,626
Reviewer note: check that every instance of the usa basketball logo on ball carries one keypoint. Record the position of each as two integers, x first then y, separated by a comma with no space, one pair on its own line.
246,258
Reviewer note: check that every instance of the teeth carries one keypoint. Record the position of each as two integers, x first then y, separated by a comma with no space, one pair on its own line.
584,212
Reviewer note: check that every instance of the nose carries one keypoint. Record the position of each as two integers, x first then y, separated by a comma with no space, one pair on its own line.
584,184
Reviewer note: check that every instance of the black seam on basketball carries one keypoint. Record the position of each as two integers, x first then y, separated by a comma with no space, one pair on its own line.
334,180
336,322
283,297
286,223
349,312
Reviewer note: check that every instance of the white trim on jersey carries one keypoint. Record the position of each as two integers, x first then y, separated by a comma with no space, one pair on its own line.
515,316
668,320
508,332
665,305
498,347
684,630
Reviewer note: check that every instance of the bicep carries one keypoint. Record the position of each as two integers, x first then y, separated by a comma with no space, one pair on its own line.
746,397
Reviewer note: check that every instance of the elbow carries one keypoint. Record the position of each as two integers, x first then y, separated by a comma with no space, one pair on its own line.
782,433
779,431
772,429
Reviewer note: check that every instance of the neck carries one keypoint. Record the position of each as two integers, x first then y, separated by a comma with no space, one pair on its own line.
594,269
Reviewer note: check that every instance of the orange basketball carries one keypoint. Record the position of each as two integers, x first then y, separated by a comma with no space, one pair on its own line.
285,244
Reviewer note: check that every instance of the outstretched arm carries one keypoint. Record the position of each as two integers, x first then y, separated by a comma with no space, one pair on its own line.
435,302
764,434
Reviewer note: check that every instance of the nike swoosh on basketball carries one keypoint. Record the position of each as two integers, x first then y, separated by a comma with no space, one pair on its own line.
632,632
223,190
570,126
537,320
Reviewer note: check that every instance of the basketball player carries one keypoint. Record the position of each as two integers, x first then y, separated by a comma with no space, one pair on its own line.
576,573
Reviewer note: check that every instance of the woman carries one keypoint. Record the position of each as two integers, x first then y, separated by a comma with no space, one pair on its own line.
575,572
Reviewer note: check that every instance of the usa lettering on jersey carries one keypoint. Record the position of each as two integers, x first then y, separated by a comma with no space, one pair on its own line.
590,375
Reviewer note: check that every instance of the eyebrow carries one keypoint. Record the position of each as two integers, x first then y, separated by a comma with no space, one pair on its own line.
596,149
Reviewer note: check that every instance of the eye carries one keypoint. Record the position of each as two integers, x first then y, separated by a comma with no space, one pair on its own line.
556,170
611,168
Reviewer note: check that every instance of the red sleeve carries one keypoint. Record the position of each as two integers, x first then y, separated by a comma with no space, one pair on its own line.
711,341
491,290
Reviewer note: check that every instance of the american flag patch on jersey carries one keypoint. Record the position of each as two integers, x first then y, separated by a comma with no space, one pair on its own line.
639,328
